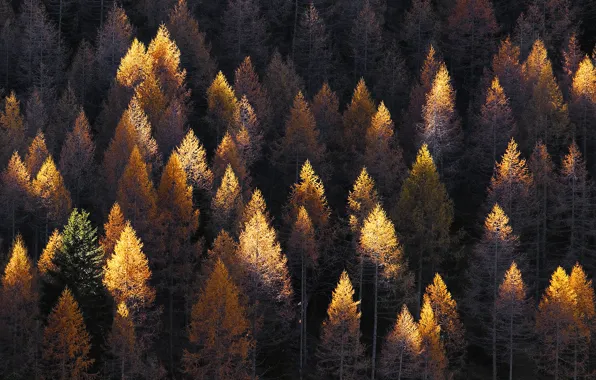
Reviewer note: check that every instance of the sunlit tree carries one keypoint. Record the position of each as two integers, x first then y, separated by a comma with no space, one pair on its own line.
37,153
45,264
112,229
51,194
193,158
247,83
11,126
227,203
402,347
221,103
310,193
433,360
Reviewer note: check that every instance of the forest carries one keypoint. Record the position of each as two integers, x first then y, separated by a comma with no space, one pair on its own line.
297,189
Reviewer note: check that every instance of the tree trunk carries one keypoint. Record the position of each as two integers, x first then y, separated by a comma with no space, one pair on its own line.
374,343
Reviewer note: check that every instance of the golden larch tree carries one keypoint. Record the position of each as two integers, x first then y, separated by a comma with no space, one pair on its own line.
256,203
310,193
135,66
219,331
227,203
12,128
52,195
36,154
356,118
246,83
228,153
15,192
583,101
221,103
247,131
402,347
66,343
224,249
433,359
165,56
193,158
584,313
45,264
112,228
122,344
340,353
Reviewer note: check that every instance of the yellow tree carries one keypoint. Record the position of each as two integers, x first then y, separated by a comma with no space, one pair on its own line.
193,158
228,153
18,315
513,316
137,198
310,193
36,154
112,228
227,204
52,195
402,347
246,83
379,242
441,127
135,66
555,326
15,192
219,331
584,314
247,131
507,67
12,129
383,156
224,249
425,214
452,329
221,103
165,56
433,359
256,203
340,353
66,343
583,102
45,264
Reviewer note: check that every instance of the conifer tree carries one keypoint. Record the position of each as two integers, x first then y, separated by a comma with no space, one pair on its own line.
433,359
246,83
11,126
224,249
66,343
15,192
340,353
572,56
583,107
227,203
193,158
244,32
45,264
219,331
584,313
112,229
452,329
122,344
134,66
441,128
165,54
76,158
513,316
248,132
51,194
507,67
18,331
402,347
312,53
383,156
228,153
256,203
36,113
325,108
282,83
310,193
62,118
366,42
357,117
82,75
221,103
36,154
420,29
425,214
301,138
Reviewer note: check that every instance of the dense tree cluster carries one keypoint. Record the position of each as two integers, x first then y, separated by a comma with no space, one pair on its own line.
297,189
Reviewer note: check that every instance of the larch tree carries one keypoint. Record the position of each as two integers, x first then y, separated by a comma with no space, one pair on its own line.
244,32
555,327
227,203
433,360
425,216
221,103
383,156
138,199
301,139
402,347
12,127
340,354
248,132
584,320
36,154
76,158
193,158
571,60
15,193
228,153
247,83
45,264
583,102
356,118
494,127
392,78
514,314
66,342
36,113
224,249
421,28
195,51
62,118
510,186
51,194
312,49
122,345
18,316
112,229
491,259
265,281
219,331
441,127
310,193
325,108
378,241
507,67
255,204
452,329
366,42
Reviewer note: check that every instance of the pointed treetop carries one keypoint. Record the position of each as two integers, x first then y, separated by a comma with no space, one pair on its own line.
377,236
584,80
537,61
424,162
310,193
18,271
37,153
381,125
497,223
113,227
221,98
585,312
166,60
511,167
572,162
429,68
513,285
362,199
342,301
193,158
46,264
256,203
135,66
49,187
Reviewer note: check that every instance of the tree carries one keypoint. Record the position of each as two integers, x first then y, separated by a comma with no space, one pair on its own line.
45,264
402,347
246,83
37,154
135,66
441,128
301,138
66,343
366,42
244,32
584,313
265,280
227,204
219,331
224,249
221,103
138,199
62,118
82,75
76,158
426,214
325,108
195,51
356,118
433,358
122,343
555,320
510,186
383,156
228,153
513,315
583,107
248,132
572,56
312,50
254,205
392,79
379,242
452,330
165,55
310,193
112,228
193,158
18,316
15,192
340,353
11,126
36,113
494,127
282,84
507,67
492,256
52,195
420,30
